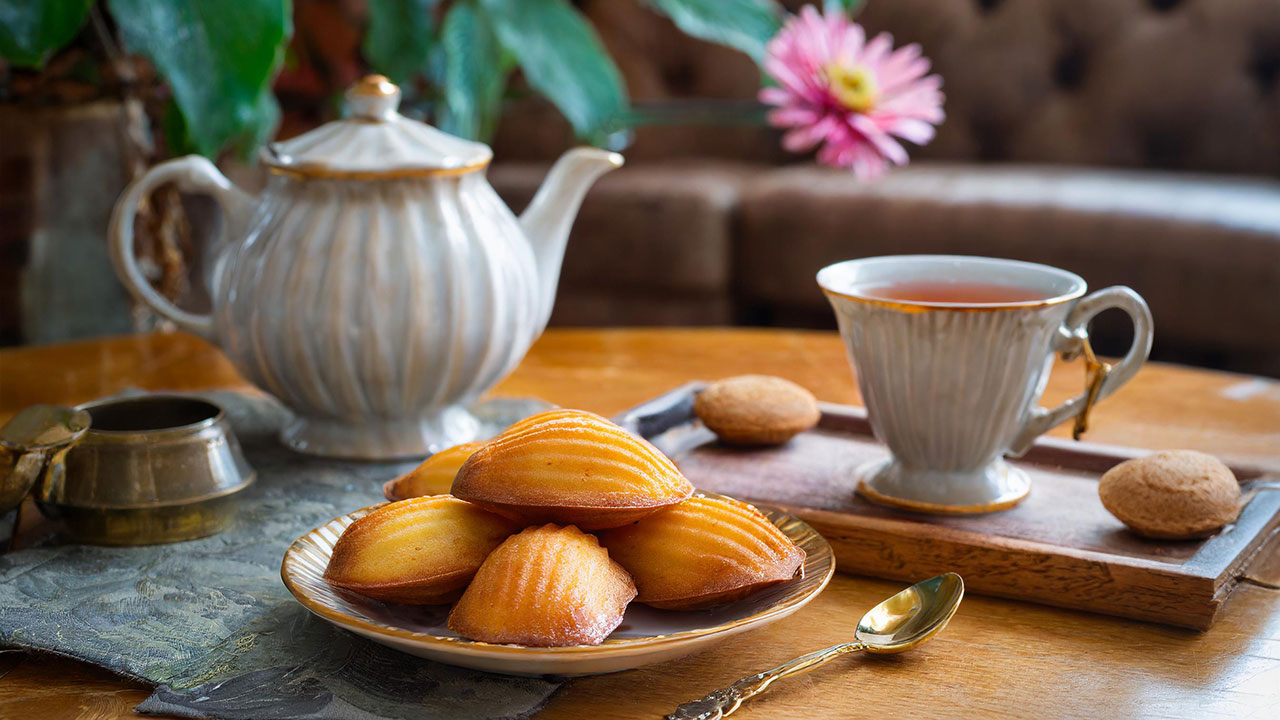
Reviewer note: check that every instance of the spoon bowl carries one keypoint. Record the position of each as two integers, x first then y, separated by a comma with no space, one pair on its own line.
912,616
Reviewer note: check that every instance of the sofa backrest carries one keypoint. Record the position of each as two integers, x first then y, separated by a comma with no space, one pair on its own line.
1170,84
1174,84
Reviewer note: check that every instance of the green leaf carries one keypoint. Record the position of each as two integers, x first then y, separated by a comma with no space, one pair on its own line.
563,60
852,7
177,139
743,24
217,56
264,121
475,74
32,30
399,37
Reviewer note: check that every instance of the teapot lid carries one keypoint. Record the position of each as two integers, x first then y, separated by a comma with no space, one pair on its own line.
374,142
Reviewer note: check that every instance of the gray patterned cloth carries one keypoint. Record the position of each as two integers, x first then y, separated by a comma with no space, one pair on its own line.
211,624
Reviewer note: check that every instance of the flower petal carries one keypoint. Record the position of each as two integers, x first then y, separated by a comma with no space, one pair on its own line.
877,49
794,115
804,138
775,96
918,99
902,67
911,129
881,140
848,50
868,164
799,57
784,74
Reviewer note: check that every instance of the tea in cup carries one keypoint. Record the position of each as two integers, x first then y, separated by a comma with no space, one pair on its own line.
952,353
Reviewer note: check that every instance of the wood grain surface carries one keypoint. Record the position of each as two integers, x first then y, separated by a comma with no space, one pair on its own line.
998,658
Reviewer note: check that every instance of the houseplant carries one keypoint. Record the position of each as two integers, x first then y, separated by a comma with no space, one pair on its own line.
80,111
206,88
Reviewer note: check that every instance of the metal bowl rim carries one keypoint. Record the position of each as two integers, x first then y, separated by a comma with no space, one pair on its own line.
217,420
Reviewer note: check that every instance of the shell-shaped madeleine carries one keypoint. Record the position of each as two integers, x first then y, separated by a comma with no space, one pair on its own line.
573,468
420,551
433,477
703,552
548,586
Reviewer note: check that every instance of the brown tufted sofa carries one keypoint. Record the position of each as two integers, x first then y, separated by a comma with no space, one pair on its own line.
1131,141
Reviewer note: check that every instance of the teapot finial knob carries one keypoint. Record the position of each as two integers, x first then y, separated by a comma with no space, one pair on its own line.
374,97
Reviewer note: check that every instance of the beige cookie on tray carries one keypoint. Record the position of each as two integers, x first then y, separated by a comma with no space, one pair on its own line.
756,409
1171,495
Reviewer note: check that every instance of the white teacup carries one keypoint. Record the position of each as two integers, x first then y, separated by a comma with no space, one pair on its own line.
952,387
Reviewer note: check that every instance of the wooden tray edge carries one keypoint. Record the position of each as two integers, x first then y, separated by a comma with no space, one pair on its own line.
1215,570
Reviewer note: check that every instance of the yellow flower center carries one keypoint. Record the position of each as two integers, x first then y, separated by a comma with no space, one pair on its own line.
854,87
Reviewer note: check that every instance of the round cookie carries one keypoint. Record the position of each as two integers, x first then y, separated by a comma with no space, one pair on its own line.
1171,495
756,409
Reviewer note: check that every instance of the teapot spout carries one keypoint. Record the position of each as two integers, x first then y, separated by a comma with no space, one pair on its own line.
547,220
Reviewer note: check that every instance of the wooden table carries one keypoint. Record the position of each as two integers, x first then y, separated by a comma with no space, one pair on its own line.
998,658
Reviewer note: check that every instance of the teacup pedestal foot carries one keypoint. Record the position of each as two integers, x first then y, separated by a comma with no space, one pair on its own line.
374,439
998,486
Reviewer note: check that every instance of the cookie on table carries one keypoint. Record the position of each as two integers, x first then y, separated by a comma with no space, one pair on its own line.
1171,495
756,409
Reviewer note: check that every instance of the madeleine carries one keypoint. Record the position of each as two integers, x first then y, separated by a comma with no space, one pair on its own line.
433,477
573,468
703,552
548,586
420,551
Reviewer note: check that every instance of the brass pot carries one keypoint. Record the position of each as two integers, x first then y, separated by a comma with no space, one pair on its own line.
150,469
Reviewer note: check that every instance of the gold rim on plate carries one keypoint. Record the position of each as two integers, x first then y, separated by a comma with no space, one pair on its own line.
304,563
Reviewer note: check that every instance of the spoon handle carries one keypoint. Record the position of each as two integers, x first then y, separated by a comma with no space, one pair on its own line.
721,703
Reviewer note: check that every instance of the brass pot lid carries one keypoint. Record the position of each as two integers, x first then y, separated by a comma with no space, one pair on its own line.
375,141
43,427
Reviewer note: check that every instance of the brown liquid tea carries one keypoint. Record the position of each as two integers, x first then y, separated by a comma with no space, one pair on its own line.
962,293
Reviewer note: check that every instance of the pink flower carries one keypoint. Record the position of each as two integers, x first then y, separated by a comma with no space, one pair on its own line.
853,97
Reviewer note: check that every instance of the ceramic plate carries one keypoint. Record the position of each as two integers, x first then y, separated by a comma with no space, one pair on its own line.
647,635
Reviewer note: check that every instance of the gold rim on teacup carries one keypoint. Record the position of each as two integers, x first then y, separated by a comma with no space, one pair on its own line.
1078,289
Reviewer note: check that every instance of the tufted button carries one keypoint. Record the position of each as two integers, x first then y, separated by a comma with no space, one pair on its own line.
990,141
1265,70
1165,5
1069,70
679,78
988,5
1162,148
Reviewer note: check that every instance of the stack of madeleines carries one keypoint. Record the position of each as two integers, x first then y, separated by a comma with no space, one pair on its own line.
544,534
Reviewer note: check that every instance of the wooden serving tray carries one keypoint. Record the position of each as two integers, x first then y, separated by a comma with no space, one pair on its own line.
1058,547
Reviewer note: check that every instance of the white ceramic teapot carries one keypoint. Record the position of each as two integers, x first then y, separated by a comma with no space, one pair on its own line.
378,285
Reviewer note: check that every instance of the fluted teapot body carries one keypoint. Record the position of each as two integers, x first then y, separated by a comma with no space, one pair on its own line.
378,285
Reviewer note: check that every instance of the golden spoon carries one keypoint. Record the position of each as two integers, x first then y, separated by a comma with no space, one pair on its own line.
897,624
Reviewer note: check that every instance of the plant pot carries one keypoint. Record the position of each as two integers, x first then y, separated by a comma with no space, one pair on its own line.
61,170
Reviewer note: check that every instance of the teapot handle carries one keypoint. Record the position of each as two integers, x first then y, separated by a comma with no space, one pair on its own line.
193,174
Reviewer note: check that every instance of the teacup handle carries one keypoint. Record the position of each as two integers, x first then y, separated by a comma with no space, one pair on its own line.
193,174
1101,379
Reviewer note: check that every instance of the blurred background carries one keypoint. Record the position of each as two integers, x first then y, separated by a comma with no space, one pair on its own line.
1134,142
